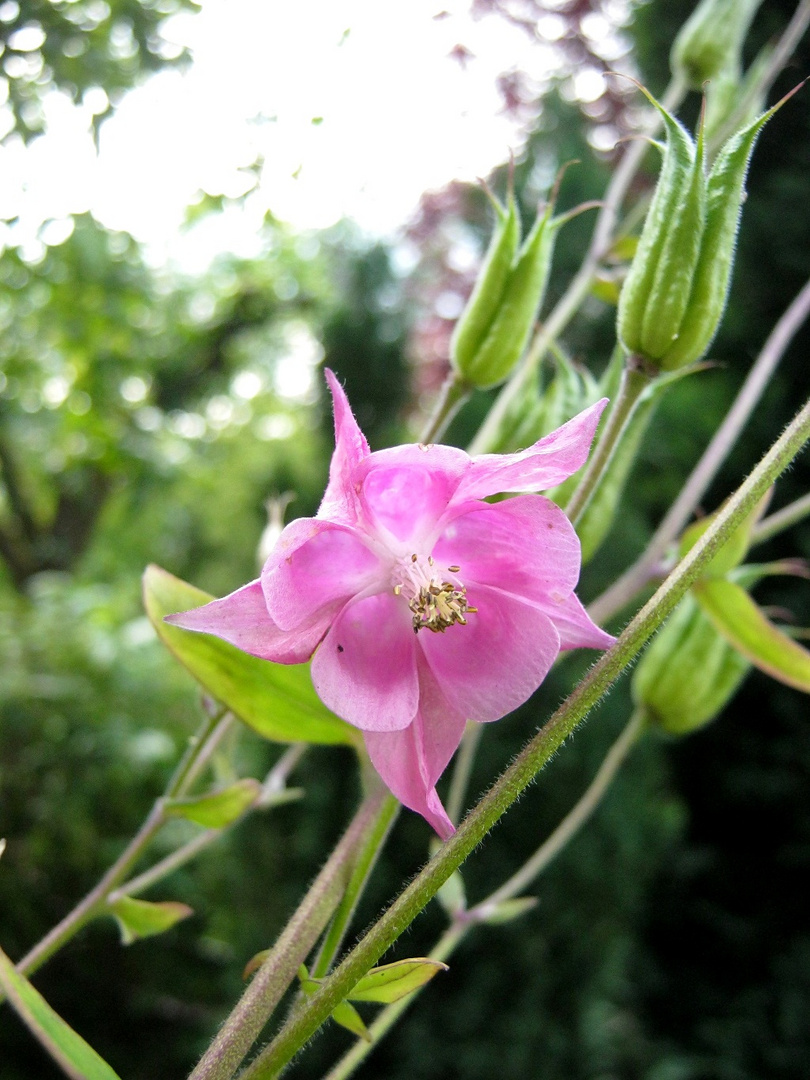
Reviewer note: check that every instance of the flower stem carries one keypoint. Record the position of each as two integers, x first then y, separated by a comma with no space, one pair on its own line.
458,930
363,864
453,394
635,380
95,902
244,1025
531,759
637,576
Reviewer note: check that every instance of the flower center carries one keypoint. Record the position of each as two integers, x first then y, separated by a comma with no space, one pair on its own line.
434,604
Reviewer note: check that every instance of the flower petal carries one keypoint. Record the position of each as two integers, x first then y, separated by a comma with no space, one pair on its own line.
313,565
340,498
575,626
550,461
411,761
493,664
365,669
242,619
525,546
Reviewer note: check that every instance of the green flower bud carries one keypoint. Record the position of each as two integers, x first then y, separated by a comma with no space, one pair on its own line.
494,328
710,42
676,289
688,674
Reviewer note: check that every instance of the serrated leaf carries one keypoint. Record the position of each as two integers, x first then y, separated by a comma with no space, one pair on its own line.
217,809
143,918
76,1057
744,625
348,1017
390,982
276,700
507,910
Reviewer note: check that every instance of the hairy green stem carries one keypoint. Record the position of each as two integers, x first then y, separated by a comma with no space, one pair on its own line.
460,927
244,1025
531,759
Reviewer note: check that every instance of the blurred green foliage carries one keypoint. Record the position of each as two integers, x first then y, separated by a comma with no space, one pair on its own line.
146,417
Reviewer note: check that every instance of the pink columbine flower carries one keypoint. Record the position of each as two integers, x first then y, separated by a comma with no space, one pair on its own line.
421,605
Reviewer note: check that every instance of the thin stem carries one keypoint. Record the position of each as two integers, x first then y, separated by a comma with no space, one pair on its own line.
166,866
782,519
638,575
635,380
364,862
571,823
244,1025
569,303
462,769
95,902
531,759
200,747
453,394
458,930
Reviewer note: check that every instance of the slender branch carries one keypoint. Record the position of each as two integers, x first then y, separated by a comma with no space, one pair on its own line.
638,575
244,1025
635,380
462,769
531,759
782,519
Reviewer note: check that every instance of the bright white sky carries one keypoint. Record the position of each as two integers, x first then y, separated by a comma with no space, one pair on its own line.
395,116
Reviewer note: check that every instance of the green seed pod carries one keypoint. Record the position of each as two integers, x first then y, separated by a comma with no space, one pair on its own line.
493,332
646,287
712,275
482,307
676,289
711,40
688,674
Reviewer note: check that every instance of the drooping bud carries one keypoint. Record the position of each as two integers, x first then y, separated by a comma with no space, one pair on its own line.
688,674
676,289
710,42
495,327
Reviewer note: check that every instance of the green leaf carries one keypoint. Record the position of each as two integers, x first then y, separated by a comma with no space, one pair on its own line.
217,809
347,1016
735,615
390,982
79,1060
276,700
732,553
142,918
507,910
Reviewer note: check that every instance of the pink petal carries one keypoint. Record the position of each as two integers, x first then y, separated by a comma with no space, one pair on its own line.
313,565
550,461
406,490
525,546
365,669
575,627
242,619
411,761
340,498
493,664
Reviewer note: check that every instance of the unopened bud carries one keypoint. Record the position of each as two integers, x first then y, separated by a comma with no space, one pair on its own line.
495,327
688,674
676,289
710,41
